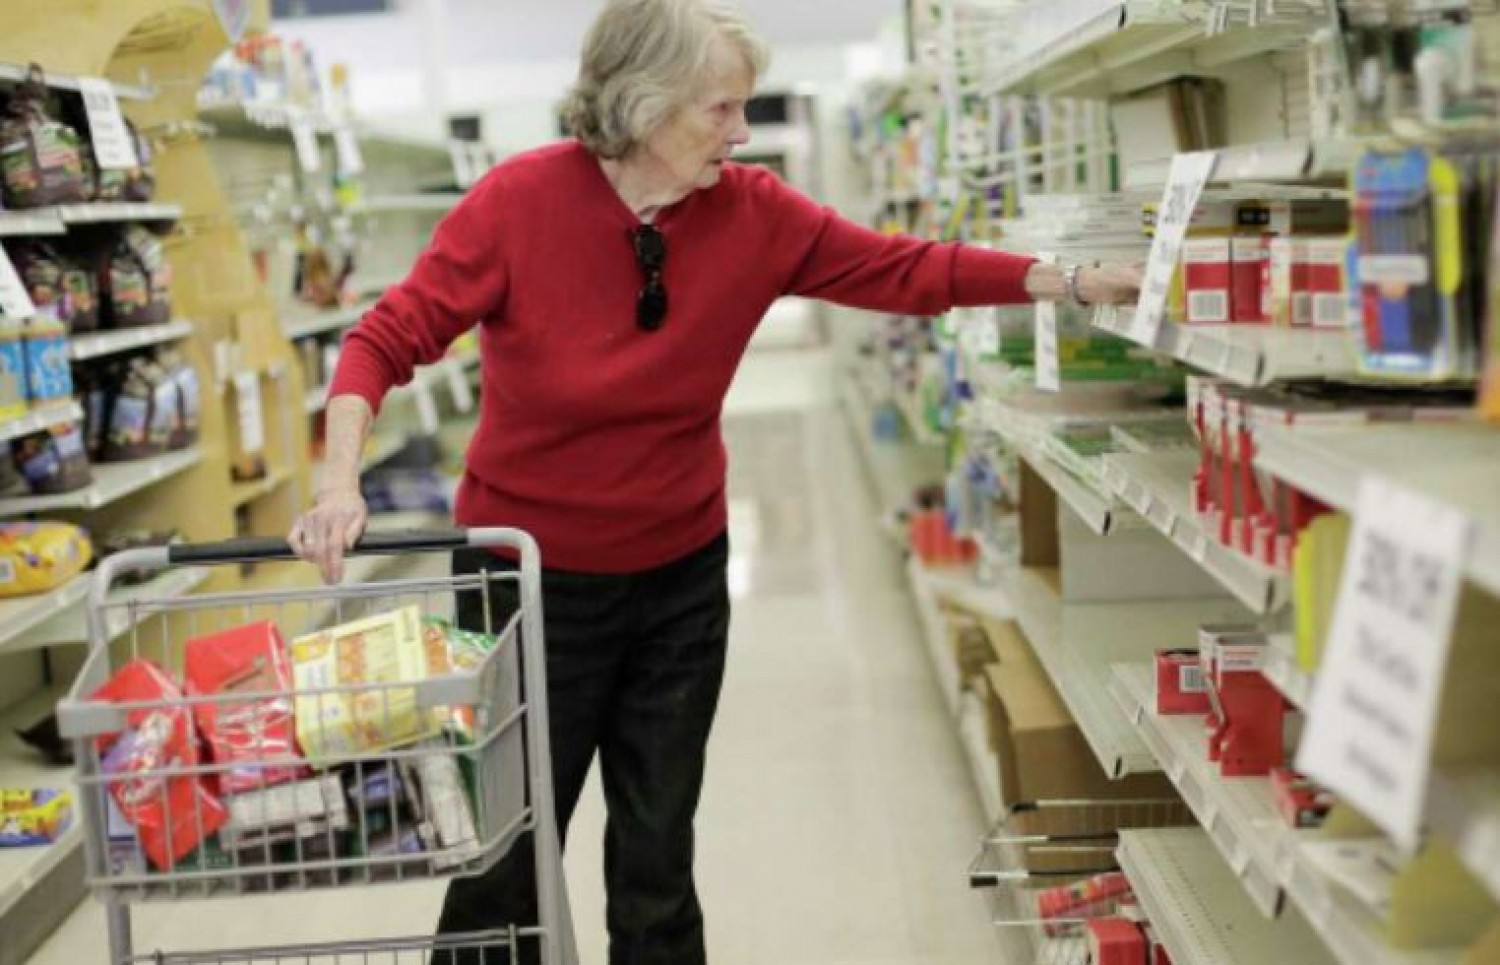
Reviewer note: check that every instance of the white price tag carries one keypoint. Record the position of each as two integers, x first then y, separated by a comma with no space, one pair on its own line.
464,174
114,148
987,337
251,415
15,300
1048,366
458,384
346,145
427,412
306,140
1185,182
1370,726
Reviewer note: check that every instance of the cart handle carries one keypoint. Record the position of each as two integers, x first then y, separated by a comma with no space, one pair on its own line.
386,543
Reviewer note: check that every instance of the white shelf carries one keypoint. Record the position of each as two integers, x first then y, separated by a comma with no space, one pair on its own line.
1098,511
95,345
71,626
436,203
112,482
935,634
22,869
241,493
1264,854
258,121
1282,670
20,615
110,213
16,73
1077,643
895,469
304,323
41,417
1157,486
1123,47
1199,910
1275,162
33,223
1457,465
1252,355
984,766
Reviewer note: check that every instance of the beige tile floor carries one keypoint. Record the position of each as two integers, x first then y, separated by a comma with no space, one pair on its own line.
838,817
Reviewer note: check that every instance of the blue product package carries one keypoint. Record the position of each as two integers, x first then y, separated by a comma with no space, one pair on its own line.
49,372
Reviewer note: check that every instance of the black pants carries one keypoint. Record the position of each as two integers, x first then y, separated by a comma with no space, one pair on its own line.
634,667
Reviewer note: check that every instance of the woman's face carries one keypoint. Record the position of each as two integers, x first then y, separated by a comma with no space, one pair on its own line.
694,143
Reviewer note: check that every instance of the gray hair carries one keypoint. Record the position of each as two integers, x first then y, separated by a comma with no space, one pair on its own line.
643,60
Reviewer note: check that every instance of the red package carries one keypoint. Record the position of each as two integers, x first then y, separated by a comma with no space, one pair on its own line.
171,815
242,734
1115,941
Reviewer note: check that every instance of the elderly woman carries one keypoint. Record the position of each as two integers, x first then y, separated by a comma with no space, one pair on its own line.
617,279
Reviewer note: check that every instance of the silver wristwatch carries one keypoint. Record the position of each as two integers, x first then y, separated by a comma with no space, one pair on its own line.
1070,283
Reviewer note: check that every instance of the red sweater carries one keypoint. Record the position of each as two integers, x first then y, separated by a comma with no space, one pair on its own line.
599,439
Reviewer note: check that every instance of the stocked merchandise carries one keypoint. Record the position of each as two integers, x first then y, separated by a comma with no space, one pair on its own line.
60,283
140,406
134,280
43,158
53,461
37,557
31,818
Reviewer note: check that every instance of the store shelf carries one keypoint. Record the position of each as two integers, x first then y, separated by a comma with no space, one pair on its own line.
1157,486
1239,814
95,345
248,492
1277,162
39,418
1248,354
16,73
304,324
1098,511
1282,670
894,468
1454,464
1117,48
935,633
984,766
1199,910
71,626
258,122
112,482
19,616
33,223
1077,643
104,213
911,413
38,886
436,203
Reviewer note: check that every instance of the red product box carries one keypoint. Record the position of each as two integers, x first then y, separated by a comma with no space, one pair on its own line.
1248,256
1116,941
243,734
171,815
1302,802
1089,898
1207,280
1180,684
1250,737
1323,281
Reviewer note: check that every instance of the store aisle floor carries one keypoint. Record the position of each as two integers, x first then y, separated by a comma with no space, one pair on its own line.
838,817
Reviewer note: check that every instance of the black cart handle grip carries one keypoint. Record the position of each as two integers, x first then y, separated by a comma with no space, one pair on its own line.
255,549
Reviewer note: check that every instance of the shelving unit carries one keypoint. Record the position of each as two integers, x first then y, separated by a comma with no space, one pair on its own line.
248,492
39,418
71,625
93,345
22,614
437,203
1157,486
1199,910
1457,465
1295,161
113,481
1253,355
305,324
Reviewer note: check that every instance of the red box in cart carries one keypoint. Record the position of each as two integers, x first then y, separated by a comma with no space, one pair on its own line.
1116,941
1247,270
1207,280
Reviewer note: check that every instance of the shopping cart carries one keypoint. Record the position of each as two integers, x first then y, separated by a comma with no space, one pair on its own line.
407,775
1036,861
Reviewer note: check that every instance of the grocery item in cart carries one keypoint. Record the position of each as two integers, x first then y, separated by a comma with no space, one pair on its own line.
277,815
376,654
38,557
244,734
466,650
171,815
447,824
30,817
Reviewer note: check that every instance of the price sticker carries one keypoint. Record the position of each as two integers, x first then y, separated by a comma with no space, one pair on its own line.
464,173
987,337
305,138
251,416
1374,712
114,148
15,300
1047,364
1185,182
346,146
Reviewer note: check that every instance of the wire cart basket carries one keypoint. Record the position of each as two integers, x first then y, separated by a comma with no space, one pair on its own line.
1050,868
274,741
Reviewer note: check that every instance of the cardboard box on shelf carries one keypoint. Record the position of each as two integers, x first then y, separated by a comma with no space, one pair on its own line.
1007,643
968,644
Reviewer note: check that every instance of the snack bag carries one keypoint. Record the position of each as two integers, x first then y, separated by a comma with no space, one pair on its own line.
33,817
37,557
242,734
464,651
172,815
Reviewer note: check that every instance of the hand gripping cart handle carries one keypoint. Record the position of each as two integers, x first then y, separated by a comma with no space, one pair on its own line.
285,738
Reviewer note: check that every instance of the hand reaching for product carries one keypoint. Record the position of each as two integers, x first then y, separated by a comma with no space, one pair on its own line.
325,533
1086,284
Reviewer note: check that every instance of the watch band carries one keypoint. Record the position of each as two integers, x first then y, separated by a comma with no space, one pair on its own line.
1070,282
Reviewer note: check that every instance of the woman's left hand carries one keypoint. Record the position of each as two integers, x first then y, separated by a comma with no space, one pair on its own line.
1111,284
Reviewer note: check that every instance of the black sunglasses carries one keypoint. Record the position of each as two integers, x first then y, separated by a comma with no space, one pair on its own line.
651,255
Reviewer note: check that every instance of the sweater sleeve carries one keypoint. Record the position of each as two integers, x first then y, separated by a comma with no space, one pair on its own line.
844,262
458,280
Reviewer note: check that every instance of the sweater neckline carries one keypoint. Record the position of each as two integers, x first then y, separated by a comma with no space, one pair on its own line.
596,172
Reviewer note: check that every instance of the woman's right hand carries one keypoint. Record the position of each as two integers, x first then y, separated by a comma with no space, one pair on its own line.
325,533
